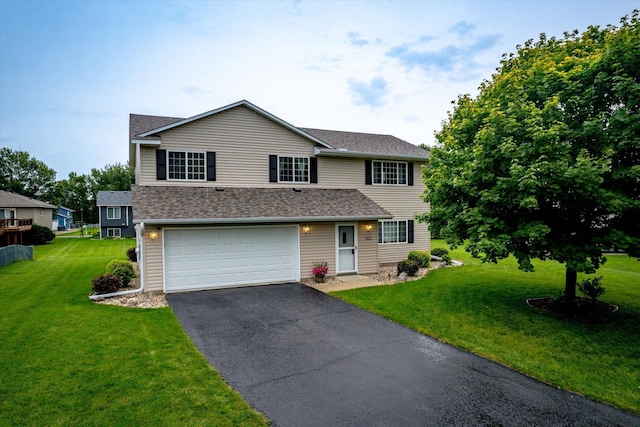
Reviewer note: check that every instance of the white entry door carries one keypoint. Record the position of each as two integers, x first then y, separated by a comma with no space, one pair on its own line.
347,248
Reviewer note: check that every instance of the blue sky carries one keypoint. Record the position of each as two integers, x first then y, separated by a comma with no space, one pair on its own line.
72,71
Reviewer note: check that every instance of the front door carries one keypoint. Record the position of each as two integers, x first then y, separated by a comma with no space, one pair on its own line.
347,248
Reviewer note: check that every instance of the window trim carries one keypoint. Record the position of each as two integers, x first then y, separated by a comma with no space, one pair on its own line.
186,166
382,162
113,216
294,157
397,221
115,229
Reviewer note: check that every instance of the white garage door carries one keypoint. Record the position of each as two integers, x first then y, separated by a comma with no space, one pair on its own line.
233,256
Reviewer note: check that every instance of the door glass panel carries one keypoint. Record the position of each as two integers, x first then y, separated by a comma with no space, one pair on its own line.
346,233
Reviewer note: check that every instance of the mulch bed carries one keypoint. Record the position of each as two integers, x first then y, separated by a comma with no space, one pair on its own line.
581,308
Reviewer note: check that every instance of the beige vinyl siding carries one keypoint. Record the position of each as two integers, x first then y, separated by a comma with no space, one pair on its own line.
153,280
317,245
242,141
40,216
368,248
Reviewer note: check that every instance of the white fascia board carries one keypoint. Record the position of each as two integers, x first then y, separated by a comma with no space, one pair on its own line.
244,103
146,141
364,155
260,220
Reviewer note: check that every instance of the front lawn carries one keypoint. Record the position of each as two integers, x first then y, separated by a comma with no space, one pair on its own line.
481,308
65,360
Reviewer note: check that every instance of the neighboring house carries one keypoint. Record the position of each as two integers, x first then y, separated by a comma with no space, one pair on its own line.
18,213
115,214
237,196
63,218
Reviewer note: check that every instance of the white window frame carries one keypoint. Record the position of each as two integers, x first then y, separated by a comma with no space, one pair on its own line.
294,160
387,175
387,223
189,166
112,209
111,232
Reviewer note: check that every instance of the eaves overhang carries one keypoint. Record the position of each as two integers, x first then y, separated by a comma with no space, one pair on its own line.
259,220
367,155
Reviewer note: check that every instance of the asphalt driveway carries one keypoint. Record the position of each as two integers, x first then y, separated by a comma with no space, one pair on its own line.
304,358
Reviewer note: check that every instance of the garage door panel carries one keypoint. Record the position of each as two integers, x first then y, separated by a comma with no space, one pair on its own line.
210,258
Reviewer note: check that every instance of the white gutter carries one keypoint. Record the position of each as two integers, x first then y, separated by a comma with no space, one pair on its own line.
140,241
186,221
365,155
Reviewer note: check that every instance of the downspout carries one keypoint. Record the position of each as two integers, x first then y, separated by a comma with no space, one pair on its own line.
140,243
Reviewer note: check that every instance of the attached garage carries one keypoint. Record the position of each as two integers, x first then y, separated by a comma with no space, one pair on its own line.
209,258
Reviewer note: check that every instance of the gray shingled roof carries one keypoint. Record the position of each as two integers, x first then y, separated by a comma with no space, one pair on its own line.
208,205
139,123
113,198
367,143
13,200
351,143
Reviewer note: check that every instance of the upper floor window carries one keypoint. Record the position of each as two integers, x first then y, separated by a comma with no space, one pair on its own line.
389,173
392,232
293,169
186,165
113,212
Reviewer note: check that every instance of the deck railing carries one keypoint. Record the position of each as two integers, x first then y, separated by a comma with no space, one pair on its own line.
15,224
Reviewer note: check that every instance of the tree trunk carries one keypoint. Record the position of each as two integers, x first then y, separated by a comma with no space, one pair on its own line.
571,279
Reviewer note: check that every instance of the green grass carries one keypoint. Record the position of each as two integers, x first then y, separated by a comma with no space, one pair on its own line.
481,308
65,360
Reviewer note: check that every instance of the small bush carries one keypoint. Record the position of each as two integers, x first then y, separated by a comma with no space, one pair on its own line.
38,235
122,269
106,284
408,266
423,258
442,253
592,288
132,255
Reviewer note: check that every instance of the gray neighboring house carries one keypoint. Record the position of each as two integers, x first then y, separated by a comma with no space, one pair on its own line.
115,213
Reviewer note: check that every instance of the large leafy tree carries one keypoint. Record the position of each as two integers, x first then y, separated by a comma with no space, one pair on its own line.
22,174
545,161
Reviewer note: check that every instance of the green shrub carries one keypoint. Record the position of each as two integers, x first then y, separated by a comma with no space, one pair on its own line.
422,257
122,269
408,266
106,284
442,253
38,235
132,255
592,288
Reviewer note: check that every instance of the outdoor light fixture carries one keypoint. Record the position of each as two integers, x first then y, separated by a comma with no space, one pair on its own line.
153,234
368,227
306,229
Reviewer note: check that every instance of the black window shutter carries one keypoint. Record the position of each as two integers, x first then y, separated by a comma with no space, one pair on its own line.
161,164
313,170
410,231
367,172
409,173
273,168
211,166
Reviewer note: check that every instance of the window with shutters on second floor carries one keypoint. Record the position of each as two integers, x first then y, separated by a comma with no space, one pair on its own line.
293,169
186,165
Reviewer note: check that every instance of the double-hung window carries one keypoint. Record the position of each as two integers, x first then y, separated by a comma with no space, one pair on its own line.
186,165
113,232
293,169
392,232
389,173
113,212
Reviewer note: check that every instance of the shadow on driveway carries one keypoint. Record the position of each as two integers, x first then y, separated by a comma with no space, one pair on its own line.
304,358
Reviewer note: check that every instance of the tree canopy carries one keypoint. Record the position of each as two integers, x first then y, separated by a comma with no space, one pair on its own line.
545,161
22,174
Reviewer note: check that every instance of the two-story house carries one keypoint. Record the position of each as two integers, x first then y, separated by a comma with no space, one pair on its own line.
63,218
115,214
237,196
18,213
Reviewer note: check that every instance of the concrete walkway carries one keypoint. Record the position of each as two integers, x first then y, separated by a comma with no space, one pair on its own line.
304,358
